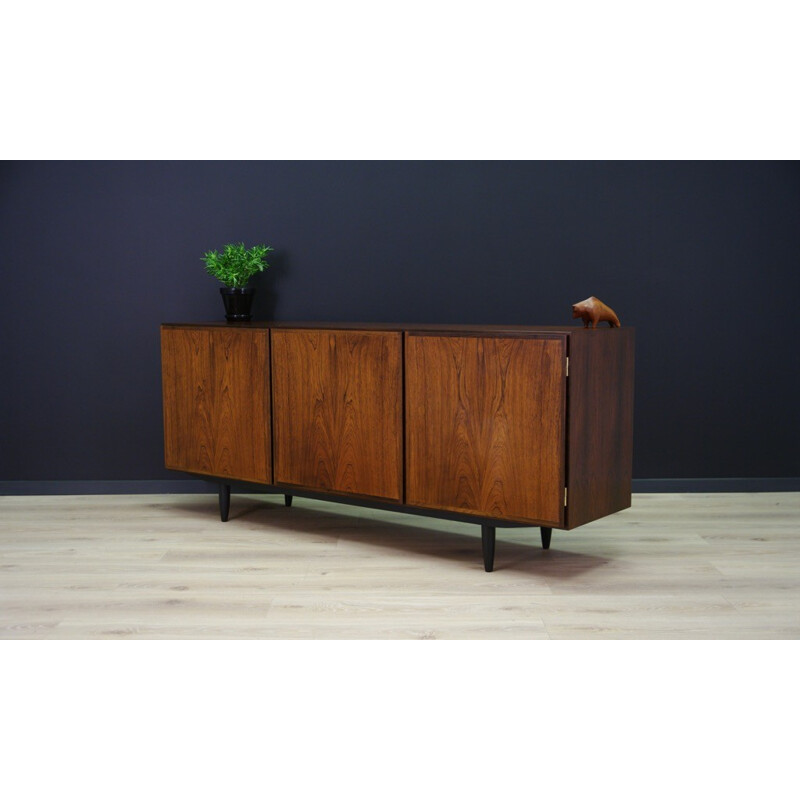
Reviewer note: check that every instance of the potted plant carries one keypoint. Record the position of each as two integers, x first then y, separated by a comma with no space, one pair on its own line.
234,267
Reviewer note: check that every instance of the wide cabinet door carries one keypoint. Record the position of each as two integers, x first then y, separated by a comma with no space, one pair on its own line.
485,425
337,411
217,402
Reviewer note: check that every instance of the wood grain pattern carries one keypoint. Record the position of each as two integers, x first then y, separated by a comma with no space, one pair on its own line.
338,411
216,402
485,425
600,438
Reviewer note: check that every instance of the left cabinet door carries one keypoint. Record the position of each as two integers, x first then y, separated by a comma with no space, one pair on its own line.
217,402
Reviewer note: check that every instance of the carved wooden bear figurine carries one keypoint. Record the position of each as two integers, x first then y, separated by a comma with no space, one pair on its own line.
594,311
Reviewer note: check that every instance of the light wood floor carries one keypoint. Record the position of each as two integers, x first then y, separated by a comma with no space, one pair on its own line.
680,566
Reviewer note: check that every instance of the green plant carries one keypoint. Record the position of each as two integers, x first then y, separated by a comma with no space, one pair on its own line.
235,265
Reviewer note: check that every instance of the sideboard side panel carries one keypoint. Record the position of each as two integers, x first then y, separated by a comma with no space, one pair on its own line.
485,425
338,407
217,402
600,432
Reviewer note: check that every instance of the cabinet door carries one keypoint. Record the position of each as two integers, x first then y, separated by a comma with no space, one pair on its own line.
485,424
337,404
216,402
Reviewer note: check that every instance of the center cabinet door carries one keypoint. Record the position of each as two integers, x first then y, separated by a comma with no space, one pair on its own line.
485,425
337,411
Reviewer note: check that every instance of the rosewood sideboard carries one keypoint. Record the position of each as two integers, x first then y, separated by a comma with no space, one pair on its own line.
497,425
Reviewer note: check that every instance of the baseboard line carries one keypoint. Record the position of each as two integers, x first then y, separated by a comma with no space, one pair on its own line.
714,485
179,486
200,486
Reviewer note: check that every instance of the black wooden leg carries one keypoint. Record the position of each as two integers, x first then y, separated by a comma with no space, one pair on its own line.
224,501
487,539
546,534
287,499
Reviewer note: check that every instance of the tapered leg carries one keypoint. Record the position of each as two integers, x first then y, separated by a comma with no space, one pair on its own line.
546,534
224,501
487,539
287,499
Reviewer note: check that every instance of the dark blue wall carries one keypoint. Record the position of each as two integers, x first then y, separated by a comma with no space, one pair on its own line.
703,258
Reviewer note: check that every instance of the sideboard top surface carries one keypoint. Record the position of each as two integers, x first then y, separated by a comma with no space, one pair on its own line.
411,327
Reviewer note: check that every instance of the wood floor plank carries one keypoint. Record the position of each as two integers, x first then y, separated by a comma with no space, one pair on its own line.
680,566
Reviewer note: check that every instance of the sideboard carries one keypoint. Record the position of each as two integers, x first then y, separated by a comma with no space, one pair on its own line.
497,425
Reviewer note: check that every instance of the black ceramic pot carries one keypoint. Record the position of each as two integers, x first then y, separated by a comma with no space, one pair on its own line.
237,303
